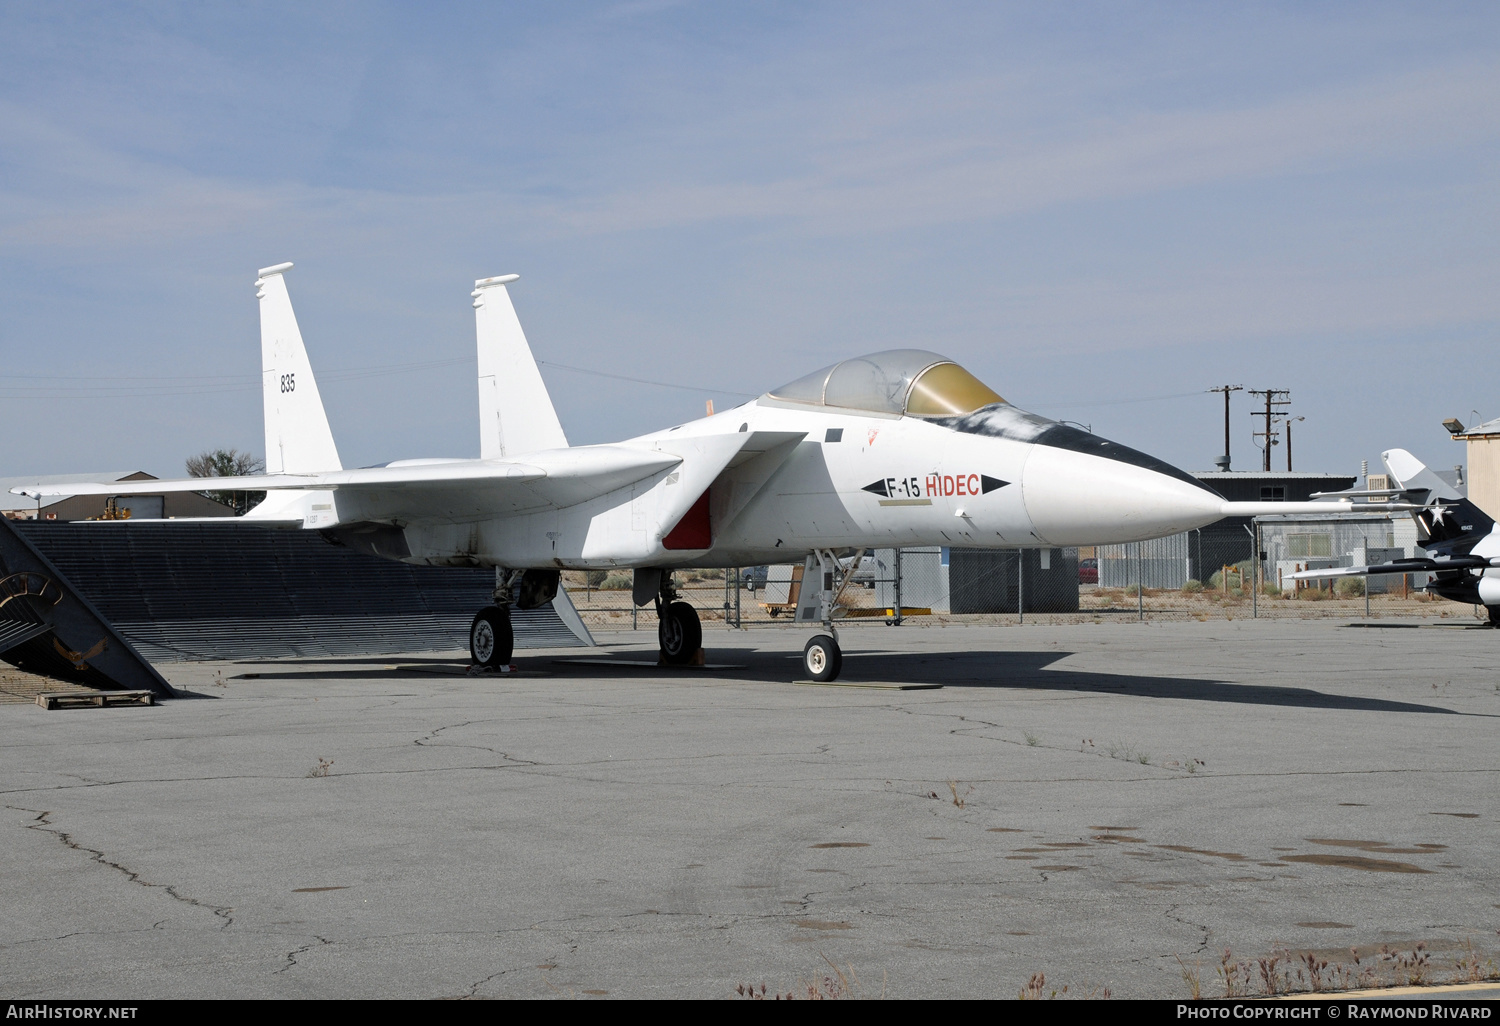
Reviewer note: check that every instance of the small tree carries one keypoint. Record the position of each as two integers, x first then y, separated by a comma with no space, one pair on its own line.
228,463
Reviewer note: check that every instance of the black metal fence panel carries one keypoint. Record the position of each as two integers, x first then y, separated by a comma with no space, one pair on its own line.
233,590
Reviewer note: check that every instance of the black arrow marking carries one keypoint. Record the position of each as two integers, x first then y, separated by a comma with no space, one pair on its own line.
878,488
989,484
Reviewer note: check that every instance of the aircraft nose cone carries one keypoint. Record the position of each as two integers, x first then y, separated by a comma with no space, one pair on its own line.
1078,498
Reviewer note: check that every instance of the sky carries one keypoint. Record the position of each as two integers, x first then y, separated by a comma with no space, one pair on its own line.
1102,210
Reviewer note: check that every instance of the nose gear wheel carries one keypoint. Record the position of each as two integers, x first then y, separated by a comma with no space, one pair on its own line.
822,658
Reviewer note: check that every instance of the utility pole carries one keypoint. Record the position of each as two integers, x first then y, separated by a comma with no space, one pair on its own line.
1289,422
1223,462
1270,413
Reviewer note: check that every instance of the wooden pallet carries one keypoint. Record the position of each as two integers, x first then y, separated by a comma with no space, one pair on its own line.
76,699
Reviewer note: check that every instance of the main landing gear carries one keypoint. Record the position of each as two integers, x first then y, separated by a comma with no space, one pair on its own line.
678,631
492,641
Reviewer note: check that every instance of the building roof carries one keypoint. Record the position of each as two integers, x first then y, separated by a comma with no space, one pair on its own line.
1489,429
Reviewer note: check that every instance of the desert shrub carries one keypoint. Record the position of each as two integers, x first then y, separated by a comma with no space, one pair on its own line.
1192,587
1272,588
596,578
1351,586
617,582
1240,579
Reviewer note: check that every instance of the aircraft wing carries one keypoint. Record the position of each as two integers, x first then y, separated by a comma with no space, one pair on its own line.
1401,566
439,489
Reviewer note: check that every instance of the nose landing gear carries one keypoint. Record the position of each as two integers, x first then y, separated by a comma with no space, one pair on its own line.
822,658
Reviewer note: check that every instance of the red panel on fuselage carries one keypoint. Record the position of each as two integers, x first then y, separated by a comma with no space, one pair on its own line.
693,530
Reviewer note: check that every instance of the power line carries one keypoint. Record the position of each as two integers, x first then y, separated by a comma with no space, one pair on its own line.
175,385
1111,402
646,381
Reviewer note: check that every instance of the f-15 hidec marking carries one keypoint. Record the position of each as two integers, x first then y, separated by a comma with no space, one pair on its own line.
913,490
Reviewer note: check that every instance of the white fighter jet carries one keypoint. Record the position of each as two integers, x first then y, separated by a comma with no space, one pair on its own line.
891,449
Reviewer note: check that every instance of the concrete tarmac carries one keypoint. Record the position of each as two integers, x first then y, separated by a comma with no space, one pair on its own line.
1110,805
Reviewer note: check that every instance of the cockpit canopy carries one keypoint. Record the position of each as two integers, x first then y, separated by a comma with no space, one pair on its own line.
900,381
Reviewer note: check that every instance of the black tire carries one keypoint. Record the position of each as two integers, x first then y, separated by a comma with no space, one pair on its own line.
680,634
822,658
491,640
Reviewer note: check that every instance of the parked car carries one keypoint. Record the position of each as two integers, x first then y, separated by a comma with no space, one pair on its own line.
754,578
1088,571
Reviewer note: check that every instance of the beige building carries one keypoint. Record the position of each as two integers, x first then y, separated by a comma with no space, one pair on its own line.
1484,463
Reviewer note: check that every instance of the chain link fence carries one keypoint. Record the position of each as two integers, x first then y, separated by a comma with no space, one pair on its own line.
1138,581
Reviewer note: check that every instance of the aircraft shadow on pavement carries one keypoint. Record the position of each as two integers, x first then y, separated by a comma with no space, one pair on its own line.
373,673
1018,671
1031,671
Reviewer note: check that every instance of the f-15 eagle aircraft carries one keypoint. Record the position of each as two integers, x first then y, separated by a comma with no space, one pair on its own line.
1463,548
897,448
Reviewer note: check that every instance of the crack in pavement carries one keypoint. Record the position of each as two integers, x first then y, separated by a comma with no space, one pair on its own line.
291,956
470,995
432,734
42,823
80,933
1171,913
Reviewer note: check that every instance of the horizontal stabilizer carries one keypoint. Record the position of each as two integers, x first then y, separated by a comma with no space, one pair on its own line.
262,521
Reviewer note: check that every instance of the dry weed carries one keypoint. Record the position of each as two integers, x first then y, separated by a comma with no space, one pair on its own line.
322,768
835,986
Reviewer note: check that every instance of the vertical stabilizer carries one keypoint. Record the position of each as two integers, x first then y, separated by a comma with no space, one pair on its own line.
515,411
1450,524
298,440
1412,473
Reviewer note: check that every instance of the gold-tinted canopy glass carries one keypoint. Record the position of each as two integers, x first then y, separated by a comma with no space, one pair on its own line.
946,390
900,381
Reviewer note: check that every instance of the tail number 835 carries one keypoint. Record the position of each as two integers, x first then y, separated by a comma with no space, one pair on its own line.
289,382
